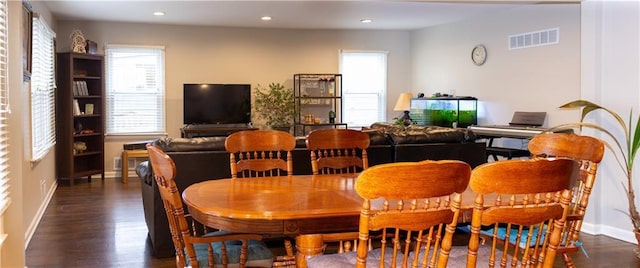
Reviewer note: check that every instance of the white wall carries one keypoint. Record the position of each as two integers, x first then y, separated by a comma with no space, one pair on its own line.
533,79
39,180
241,55
610,68
14,226
31,183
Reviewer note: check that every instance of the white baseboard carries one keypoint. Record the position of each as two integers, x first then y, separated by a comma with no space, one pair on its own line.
617,233
116,174
33,225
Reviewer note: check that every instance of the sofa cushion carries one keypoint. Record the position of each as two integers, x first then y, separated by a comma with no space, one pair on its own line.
435,135
191,144
423,134
144,172
377,137
386,127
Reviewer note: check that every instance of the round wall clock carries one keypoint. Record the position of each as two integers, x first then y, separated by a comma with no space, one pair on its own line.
479,55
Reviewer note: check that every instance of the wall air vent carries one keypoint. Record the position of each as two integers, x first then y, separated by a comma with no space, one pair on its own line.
534,39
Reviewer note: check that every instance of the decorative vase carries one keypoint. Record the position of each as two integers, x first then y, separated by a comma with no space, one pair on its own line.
332,117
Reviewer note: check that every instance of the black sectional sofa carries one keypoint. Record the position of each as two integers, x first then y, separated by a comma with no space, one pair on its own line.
200,159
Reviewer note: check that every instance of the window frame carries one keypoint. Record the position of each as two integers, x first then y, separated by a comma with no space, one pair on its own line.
158,98
381,94
42,90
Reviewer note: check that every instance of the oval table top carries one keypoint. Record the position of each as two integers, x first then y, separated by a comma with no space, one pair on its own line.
287,204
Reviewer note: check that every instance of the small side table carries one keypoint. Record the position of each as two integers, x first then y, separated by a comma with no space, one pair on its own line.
133,150
125,161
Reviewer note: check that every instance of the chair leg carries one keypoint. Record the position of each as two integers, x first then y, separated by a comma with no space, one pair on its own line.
288,247
568,262
287,261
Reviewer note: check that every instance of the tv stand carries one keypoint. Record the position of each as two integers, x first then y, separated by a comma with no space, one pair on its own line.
212,130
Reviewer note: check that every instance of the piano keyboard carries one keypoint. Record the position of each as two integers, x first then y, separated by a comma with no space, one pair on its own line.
506,131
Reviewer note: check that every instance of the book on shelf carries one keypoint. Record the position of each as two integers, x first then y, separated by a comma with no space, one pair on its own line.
85,90
76,91
80,88
76,108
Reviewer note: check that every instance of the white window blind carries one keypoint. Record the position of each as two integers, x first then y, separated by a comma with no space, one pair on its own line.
135,90
43,124
364,87
4,114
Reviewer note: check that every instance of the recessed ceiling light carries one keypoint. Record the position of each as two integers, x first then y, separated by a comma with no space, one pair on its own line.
266,18
366,20
159,13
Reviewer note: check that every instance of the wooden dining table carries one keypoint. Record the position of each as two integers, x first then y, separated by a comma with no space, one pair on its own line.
296,205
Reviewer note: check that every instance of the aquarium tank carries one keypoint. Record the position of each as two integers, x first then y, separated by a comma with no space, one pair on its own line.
445,111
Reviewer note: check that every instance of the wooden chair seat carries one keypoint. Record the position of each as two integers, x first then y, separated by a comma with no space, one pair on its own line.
258,254
195,245
349,259
457,258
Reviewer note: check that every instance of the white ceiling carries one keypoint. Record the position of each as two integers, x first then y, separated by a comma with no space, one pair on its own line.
390,15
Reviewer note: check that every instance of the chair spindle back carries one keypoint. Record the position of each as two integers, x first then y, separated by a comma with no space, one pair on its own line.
529,209
335,151
260,153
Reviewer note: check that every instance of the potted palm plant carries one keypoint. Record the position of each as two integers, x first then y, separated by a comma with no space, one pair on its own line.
624,148
275,105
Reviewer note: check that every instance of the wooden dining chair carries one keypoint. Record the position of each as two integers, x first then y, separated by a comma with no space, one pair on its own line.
528,207
195,246
338,151
412,209
260,153
263,153
588,151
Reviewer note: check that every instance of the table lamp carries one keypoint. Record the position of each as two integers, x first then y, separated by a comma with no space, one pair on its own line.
404,104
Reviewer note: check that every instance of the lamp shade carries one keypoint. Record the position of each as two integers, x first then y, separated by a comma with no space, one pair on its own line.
404,102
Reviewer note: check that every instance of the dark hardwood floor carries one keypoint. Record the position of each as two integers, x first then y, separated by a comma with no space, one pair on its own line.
101,224
96,224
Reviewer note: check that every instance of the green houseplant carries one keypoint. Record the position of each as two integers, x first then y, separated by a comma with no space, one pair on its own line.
275,105
624,148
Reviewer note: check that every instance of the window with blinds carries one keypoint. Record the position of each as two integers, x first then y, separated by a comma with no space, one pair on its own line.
135,90
4,114
43,124
364,87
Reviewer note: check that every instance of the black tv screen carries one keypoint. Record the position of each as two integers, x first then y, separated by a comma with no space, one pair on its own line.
217,104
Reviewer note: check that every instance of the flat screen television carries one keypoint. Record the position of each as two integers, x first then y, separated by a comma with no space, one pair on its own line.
217,104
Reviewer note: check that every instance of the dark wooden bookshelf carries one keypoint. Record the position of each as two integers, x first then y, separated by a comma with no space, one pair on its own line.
87,70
